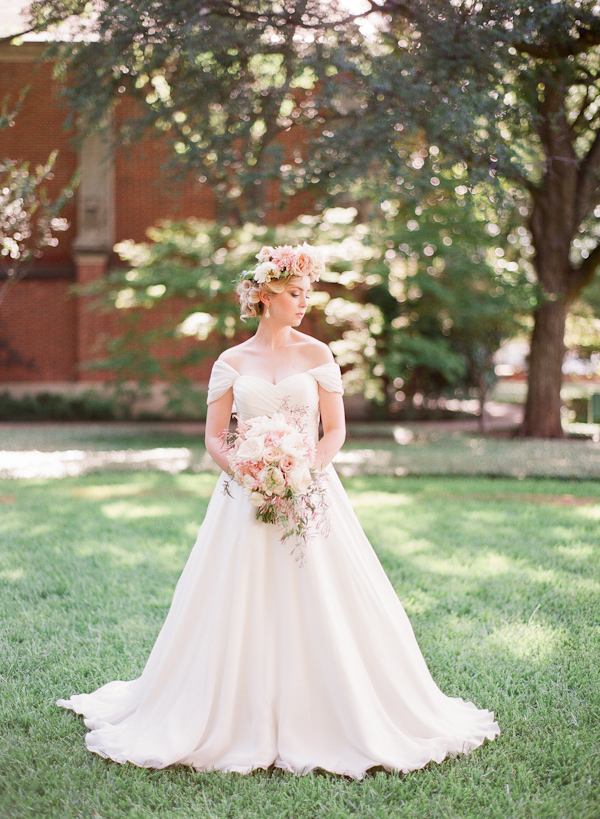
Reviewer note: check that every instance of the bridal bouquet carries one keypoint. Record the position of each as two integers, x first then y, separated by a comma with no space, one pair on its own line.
270,457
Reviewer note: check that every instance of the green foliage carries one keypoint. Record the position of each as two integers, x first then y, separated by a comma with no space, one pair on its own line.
47,406
414,292
448,289
192,268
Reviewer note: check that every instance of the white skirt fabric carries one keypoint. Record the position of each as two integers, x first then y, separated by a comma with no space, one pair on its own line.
265,662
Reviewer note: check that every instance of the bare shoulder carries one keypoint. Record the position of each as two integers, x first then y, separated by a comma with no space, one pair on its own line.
234,355
314,351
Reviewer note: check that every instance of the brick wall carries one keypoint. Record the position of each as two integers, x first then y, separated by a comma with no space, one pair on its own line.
40,329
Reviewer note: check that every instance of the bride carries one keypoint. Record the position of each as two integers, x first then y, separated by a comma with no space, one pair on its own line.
263,661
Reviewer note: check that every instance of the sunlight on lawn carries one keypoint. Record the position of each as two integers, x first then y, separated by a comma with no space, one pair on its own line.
104,492
591,512
164,557
484,565
579,550
12,574
382,498
130,511
528,640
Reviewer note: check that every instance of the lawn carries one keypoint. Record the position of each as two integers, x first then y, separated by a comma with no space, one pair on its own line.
56,450
501,579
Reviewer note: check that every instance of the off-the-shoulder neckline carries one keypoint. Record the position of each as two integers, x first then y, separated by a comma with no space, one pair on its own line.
281,380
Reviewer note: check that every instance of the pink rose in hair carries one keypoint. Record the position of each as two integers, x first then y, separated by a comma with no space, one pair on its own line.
304,264
283,257
265,254
318,261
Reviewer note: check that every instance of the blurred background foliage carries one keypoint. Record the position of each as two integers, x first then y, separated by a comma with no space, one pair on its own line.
374,105
419,296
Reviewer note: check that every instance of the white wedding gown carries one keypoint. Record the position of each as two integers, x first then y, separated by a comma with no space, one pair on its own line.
264,662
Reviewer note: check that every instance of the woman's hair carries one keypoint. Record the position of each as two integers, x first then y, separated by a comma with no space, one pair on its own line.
249,292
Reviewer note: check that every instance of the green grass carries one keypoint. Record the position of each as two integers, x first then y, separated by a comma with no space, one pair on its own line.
500,579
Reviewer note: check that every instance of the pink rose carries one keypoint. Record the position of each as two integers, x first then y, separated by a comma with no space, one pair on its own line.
286,463
283,257
265,254
303,264
319,263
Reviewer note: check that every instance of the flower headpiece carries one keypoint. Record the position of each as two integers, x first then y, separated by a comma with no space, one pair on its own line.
283,261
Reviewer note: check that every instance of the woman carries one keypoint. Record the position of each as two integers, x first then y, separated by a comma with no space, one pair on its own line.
262,661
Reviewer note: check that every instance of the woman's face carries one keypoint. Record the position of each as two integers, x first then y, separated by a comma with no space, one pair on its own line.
289,307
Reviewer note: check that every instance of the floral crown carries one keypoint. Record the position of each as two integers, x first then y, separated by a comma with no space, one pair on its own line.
283,261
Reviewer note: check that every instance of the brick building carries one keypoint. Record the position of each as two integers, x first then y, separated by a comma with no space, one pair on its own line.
47,333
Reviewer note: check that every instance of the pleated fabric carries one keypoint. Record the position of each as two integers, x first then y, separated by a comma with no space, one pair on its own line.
264,662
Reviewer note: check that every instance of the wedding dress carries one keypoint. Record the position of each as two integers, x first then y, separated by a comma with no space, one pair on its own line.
262,661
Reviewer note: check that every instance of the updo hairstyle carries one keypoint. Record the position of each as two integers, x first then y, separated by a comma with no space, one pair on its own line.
249,292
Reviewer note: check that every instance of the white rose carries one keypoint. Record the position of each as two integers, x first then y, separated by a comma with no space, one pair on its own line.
299,479
272,454
277,423
256,499
293,444
253,428
319,262
248,483
271,481
265,271
251,449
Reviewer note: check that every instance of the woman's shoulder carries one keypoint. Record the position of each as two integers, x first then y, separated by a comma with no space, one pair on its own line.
233,355
314,351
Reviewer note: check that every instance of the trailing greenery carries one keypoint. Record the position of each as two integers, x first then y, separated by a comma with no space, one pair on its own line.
500,582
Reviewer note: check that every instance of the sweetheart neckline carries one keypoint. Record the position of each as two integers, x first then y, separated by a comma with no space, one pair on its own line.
270,383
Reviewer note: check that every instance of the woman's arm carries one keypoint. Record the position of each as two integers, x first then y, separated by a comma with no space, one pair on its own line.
218,417
333,419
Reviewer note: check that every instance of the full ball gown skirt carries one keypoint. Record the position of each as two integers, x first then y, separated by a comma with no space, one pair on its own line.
262,661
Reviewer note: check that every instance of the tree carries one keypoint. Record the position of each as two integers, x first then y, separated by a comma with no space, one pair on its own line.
412,315
29,218
516,91
508,87
222,83
448,293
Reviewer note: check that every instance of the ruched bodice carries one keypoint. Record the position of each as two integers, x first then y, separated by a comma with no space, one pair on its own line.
254,395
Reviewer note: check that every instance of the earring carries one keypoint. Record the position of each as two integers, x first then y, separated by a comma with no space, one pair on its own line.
267,313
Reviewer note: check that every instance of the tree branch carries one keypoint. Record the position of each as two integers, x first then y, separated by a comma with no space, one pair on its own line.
561,50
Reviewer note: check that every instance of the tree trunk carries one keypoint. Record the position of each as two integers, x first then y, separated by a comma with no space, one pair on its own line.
543,407
482,390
